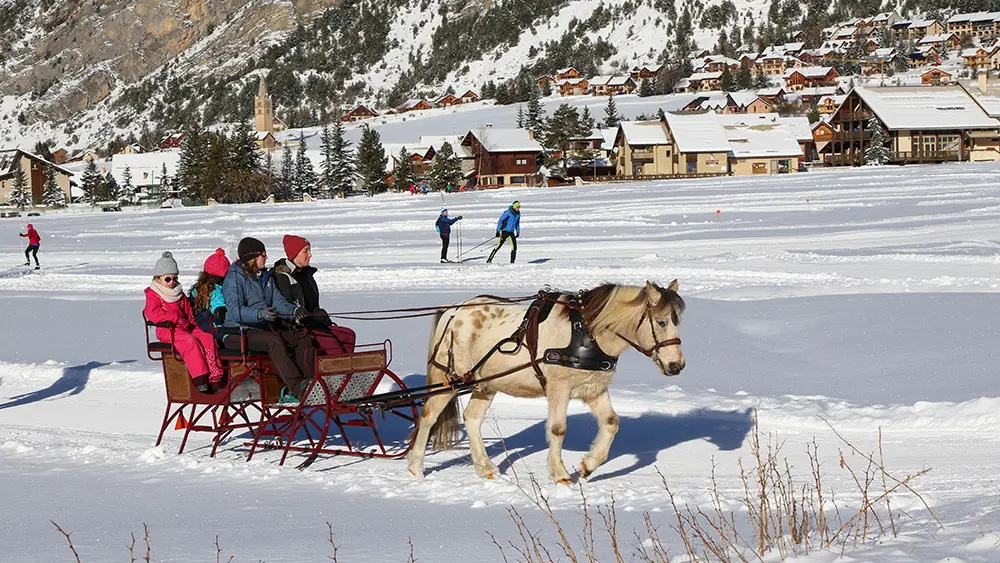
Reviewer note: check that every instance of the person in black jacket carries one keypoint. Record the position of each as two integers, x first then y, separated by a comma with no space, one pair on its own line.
443,227
294,278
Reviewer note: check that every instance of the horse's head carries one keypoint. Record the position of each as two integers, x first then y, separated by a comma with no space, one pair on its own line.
657,334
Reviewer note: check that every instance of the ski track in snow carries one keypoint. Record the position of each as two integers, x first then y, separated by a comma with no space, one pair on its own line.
861,299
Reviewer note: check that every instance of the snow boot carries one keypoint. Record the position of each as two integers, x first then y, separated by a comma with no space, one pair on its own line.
38,267
217,385
201,384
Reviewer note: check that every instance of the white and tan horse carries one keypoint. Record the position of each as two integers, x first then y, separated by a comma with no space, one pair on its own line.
616,316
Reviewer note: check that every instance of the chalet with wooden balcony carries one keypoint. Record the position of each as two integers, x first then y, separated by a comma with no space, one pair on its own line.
468,97
567,73
810,77
940,41
922,124
416,104
503,157
976,58
704,81
607,85
35,170
935,77
645,72
573,87
359,113
879,62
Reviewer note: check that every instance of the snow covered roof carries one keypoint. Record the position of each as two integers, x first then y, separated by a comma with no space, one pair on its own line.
796,126
936,38
773,91
743,99
146,168
834,98
926,107
8,156
505,140
972,17
644,133
761,142
809,71
697,132
972,52
600,79
572,81
921,24
619,80
705,76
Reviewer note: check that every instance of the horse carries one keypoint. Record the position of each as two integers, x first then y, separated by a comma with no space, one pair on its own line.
615,317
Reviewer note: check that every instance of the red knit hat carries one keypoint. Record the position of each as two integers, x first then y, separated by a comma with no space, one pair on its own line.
217,264
293,245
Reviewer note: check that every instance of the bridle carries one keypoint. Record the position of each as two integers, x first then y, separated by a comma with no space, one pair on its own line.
651,351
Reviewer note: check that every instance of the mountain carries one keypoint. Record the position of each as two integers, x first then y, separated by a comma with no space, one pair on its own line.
83,73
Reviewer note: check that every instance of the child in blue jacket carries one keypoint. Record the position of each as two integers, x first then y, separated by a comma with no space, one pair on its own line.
443,227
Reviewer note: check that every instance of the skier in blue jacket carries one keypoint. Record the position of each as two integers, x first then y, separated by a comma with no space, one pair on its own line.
508,227
443,226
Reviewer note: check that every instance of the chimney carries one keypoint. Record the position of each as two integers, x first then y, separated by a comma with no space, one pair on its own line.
531,134
982,82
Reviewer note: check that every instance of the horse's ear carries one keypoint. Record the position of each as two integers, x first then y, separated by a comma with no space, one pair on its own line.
652,293
673,286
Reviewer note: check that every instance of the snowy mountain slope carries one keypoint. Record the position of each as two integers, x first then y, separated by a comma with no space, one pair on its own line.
80,74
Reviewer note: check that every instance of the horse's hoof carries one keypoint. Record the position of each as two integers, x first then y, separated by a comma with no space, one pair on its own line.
417,474
489,475
584,472
564,481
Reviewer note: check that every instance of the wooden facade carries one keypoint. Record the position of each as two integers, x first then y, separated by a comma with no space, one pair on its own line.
359,113
501,168
34,169
934,77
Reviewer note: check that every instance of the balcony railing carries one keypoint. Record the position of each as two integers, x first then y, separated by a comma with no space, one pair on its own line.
848,136
896,157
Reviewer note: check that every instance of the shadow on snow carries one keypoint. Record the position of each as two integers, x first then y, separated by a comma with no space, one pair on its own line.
72,382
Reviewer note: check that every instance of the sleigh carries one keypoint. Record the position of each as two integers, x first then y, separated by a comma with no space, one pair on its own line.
333,416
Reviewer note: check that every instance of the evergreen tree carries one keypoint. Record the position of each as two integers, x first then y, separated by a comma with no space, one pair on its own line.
343,164
90,182
192,167
646,88
611,116
19,195
761,81
270,179
402,176
728,81
110,190
286,176
166,191
520,117
534,118
52,194
131,195
305,176
371,161
878,152
587,120
744,78
564,125
446,169
243,150
42,149
327,161
217,167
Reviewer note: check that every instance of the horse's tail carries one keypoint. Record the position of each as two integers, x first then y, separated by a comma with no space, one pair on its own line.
446,431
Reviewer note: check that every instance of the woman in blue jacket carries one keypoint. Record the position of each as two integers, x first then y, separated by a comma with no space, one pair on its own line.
508,227
253,302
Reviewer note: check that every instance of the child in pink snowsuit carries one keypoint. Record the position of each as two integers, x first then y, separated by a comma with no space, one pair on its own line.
166,302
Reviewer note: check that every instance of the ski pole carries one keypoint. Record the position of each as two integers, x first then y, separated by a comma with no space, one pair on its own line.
480,244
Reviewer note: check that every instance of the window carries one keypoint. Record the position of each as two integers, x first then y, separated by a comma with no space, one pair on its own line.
499,180
521,161
517,179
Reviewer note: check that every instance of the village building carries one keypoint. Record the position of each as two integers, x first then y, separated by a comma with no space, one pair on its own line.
705,81
699,144
761,150
573,86
567,73
810,77
749,102
940,41
822,135
503,157
829,104
415,104
772,95
879,61
974,24
88,154
59,156
644,149
359,113
545,82
915,30
35,170
447,100
171,141
976,58
797,127
468,97
922,124
935,77
645,71
147,170
717,63
132,148
264,119
265,140
719,102
418,159
923,56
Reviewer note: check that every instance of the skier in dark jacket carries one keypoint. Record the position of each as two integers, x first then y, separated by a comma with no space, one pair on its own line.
294,279
443,227
508,227
33,242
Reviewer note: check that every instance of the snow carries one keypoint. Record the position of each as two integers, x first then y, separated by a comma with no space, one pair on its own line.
697,132
927,107
864,298
755,142
639,133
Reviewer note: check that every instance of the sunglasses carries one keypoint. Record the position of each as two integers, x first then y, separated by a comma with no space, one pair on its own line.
170,279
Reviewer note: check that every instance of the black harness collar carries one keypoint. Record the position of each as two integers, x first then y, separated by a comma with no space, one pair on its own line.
582,352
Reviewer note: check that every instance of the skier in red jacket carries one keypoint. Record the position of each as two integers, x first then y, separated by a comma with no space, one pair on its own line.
33,242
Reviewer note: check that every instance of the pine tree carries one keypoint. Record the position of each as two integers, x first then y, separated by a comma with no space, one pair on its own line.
270,179
587,120
52,194
343,161
402,175
744,78
564,125
110,190
19,195
130,194
327,162
305,176
446,169
192,167
90,182
166,191
520,117
646,88
611,116
728,81
878,152
534,118
371,161
285,182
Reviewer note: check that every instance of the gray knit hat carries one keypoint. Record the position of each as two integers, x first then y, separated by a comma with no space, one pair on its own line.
166,265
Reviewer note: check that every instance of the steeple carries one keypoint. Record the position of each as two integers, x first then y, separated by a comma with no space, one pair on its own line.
263,114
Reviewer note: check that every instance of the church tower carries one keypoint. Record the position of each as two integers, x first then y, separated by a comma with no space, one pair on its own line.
263,114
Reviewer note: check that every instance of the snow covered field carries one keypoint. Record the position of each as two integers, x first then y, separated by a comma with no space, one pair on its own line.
865,298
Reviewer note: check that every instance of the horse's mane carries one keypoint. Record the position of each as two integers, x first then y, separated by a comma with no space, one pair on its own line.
599,316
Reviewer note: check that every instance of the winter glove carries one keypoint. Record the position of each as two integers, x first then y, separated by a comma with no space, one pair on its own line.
270,314
517,235
498,234
298,315
458,218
